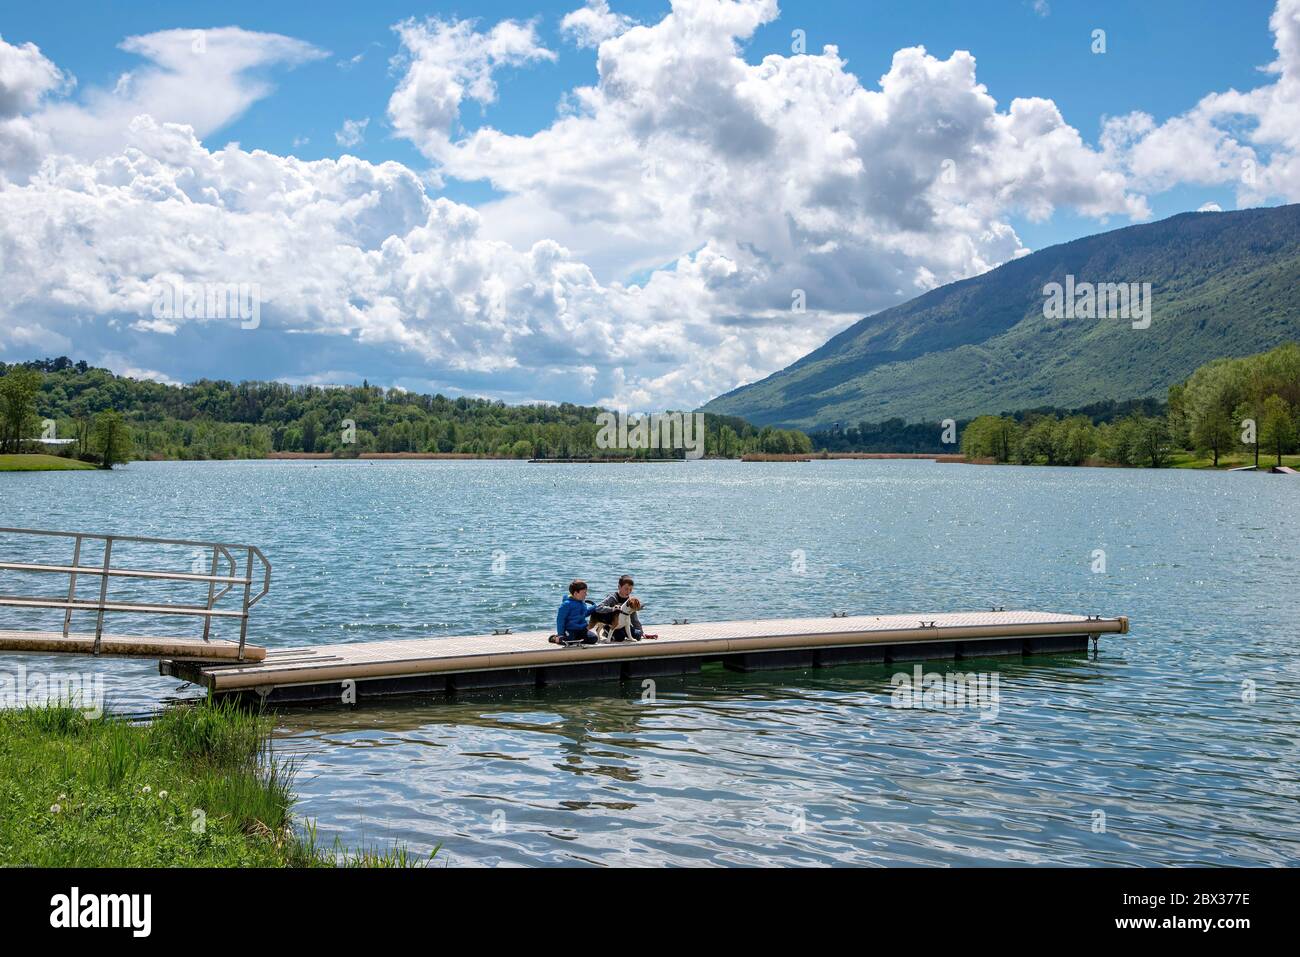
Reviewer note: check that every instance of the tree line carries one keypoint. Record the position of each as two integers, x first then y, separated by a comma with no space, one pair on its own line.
102,438
1249,404
898,435
217,419
1226,406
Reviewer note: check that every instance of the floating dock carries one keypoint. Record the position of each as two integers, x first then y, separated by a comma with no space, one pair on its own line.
364,670
351,672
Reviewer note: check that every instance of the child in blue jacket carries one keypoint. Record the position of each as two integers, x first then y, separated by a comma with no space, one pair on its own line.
571,620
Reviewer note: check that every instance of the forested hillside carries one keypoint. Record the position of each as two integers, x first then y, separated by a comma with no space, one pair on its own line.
1222,285
222,420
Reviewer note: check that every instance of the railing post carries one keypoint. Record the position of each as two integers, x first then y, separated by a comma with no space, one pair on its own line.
72,586
248,587
212,587
103,592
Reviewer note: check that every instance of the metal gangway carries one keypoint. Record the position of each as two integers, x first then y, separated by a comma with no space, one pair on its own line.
220,581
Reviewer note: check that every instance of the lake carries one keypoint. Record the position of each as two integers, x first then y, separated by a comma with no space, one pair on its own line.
1175,744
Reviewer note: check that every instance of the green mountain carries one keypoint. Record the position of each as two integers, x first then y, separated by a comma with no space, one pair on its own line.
1223,284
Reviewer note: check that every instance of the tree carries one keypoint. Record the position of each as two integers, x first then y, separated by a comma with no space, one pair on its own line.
1074,440
1153,442
1037,441
111,439
1211,398
977,438
1006,436
1213,431
1179,416
1121,441
1280,372
18,390
309,435
1247,416
991,437
728,443
83,438
1276,427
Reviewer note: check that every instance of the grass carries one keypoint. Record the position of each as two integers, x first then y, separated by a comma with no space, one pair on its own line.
1185,459
197,787
37,462
1229,460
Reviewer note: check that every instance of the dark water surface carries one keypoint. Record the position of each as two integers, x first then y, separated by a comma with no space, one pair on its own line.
1175,744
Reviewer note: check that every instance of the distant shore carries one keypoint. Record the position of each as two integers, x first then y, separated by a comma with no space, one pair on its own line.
820,456
450,456
1178,460
1181,459
323,456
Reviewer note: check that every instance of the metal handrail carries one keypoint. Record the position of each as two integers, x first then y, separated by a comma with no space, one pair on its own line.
106,571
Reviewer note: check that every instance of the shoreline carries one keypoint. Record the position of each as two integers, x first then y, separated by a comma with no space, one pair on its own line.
370,456
865,456
1181,460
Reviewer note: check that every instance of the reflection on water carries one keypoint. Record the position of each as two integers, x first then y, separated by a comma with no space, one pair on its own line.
1150,752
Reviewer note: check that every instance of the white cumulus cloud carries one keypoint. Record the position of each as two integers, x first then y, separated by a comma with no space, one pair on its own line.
203,78
26,78
352,132
592,25
447,62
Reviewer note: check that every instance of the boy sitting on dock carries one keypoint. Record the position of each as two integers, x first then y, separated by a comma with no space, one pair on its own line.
571,620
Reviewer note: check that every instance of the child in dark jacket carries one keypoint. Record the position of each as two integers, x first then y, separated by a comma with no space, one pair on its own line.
607,610
571,620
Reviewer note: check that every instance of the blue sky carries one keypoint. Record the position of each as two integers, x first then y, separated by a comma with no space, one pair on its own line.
1161,59
1162,56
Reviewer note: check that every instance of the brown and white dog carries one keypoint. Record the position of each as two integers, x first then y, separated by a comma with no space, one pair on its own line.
621,619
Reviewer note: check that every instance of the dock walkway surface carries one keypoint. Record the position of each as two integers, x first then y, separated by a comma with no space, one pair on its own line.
125,646
350,672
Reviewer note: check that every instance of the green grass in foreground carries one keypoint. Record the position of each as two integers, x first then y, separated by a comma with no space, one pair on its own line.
1231,460
197,787
40,463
